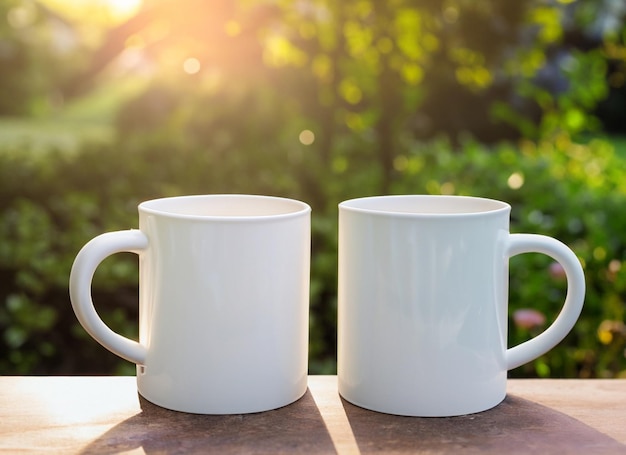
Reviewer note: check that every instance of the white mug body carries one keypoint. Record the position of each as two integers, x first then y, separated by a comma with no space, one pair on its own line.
223,303
422,304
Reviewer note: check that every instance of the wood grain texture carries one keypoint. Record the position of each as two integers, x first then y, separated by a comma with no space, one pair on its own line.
74,415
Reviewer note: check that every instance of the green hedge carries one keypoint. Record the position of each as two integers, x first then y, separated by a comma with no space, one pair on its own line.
51,204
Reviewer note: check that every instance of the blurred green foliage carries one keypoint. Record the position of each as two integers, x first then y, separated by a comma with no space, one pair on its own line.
70,200
320,101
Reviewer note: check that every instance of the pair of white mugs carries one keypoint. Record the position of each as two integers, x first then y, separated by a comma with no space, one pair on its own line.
422,302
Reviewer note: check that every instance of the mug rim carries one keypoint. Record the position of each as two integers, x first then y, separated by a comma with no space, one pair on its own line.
384,205
158,207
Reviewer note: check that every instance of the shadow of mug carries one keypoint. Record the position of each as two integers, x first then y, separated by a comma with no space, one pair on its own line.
297,427
516,425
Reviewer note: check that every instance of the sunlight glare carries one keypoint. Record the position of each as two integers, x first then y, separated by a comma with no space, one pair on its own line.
95,11
123,8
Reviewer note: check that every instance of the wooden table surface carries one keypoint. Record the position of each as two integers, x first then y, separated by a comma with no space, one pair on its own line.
75,415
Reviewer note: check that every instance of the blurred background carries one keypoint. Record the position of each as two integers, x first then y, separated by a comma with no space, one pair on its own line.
106,103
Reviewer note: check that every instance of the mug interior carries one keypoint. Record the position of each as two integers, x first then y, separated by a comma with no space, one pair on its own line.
224,206
425,204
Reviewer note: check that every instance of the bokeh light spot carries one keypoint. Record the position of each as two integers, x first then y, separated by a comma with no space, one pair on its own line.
22,16
447,188
450,14
232,28
192,65
515,181
307,137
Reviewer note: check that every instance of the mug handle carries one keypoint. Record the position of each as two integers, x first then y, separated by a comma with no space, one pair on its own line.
83,269
542,343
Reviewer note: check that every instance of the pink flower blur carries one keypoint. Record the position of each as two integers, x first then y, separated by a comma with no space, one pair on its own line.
527,318
557,271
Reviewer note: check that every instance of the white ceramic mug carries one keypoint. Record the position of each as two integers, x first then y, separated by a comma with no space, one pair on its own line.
423,297
223,301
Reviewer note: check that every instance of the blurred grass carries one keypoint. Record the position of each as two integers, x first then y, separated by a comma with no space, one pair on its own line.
88,119
44,135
